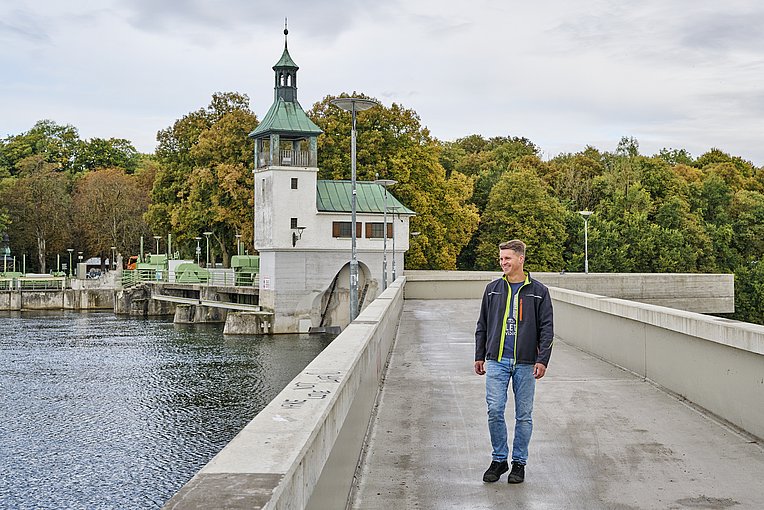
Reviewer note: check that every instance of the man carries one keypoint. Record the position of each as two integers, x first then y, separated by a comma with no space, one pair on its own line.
513,341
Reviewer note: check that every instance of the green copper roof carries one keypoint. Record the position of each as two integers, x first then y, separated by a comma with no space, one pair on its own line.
285,60
286,118
335,196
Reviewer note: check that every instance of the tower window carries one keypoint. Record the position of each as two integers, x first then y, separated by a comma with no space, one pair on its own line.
294,182
293,223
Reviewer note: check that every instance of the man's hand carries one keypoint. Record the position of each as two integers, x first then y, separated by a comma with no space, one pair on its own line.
479,368
539,370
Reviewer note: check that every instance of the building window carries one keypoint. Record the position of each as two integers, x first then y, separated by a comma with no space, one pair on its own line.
342,229
293,223
376,231
294,182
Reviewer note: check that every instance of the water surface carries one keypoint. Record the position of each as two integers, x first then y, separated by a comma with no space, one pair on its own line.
99,411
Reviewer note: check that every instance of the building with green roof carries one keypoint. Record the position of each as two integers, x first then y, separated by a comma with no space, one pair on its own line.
303,225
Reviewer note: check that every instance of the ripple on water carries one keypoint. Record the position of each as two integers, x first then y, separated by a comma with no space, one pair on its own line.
100,411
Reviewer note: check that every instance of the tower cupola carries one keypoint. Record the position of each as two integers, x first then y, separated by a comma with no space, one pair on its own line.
286,136
286,75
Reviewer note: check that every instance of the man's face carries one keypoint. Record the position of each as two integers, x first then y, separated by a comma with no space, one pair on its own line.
511,261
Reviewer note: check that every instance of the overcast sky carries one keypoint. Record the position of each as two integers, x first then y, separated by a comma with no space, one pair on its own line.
672,73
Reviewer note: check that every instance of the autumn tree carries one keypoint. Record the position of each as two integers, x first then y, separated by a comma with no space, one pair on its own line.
110,205
392,144
39,208
204,182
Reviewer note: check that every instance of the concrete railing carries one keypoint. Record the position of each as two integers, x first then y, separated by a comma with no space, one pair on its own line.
695,292
302,449
715,363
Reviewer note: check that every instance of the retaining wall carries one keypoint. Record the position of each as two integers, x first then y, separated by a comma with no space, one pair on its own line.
68,299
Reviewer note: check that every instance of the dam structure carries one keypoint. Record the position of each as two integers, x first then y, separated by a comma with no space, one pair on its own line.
643,406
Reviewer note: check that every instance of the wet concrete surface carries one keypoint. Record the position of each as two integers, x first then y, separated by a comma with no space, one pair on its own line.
603,438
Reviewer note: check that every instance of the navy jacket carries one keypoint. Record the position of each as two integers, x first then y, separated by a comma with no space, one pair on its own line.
533,316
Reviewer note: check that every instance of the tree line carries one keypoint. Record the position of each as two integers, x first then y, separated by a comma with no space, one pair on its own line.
667,212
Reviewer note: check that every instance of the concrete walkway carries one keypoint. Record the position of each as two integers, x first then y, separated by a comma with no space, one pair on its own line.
602,439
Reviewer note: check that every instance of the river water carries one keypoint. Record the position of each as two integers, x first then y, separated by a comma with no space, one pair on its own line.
99,411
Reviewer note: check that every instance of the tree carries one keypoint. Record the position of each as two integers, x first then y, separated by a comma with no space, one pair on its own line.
204,182
98,153
39,207
110,206
53,144
520,207
392,144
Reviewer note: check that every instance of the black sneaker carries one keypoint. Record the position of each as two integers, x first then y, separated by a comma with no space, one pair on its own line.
495,470
518,473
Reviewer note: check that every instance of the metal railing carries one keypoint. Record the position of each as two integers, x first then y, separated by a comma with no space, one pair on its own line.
218,277
33,283
285,158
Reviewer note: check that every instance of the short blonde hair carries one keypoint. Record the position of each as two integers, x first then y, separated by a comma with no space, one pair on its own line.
515,245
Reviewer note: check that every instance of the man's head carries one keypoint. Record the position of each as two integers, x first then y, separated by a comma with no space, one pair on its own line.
512,258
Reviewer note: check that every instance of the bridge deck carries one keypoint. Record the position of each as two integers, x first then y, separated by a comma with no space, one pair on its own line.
603,438
207,302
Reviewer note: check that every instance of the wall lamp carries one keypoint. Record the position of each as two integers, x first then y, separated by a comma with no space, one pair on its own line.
296,236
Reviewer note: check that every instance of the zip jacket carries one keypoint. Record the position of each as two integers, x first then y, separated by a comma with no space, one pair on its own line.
533,316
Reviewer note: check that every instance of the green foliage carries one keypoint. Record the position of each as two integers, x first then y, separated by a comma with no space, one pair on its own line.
665,213
520,207
749,292
204,180
112,153
48,141
392,144
39,207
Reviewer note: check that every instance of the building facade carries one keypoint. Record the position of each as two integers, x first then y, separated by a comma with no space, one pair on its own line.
303,225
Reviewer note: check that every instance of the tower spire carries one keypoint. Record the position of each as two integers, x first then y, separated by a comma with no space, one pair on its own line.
286,33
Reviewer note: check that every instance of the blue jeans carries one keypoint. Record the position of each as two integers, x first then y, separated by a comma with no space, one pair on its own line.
497,376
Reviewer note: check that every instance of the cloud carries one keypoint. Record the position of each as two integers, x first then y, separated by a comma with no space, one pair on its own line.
564,74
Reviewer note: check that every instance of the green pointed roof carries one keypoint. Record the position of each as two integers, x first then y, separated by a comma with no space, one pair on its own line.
335,196
285,60
286,118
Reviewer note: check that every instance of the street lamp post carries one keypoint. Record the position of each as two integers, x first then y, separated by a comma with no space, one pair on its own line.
70,250
353,104
585,215
394,209
207,235
113,255
198,250
238,244
157,238
79,259
385,183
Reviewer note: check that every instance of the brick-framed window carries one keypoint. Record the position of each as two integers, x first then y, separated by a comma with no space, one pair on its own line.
294,182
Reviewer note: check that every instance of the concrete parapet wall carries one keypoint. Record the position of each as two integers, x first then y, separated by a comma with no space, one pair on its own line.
302,449
715,363
703,293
